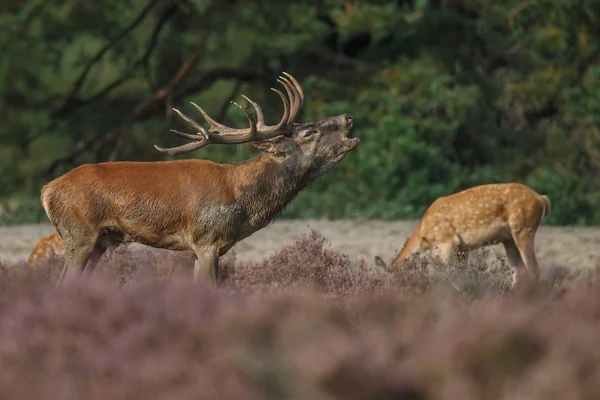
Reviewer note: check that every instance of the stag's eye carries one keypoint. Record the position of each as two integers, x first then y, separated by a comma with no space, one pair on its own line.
308,133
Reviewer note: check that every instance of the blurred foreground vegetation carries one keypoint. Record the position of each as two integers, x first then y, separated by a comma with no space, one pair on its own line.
445,95
307,322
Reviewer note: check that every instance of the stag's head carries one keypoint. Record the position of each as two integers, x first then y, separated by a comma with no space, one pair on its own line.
313,146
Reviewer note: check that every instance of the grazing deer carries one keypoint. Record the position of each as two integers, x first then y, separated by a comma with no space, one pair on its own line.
507,213
196,205
46,246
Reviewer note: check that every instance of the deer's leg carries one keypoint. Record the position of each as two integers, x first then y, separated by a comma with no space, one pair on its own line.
446,252
77,254
516,262
449,250
206,266
523,226
462,257
525,244
93,260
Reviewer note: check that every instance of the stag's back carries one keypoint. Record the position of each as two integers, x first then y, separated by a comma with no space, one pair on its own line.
161,193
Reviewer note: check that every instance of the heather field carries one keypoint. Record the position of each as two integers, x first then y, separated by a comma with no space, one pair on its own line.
305,321
572,247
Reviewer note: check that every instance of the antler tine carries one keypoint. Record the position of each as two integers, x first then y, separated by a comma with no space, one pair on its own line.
248,115
298,88
181,149
291,94
200,139
260,117
190,121
224,130
286,110
291,89
247,136
251,135
203,137
229,135
198,136
214,125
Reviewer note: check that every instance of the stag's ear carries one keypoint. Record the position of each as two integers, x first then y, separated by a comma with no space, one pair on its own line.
275,145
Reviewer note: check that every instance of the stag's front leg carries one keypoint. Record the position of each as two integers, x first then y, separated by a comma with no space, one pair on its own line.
206,266
78,251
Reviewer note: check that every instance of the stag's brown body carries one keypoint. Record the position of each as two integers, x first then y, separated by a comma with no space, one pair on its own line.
46,246
508,213
195,205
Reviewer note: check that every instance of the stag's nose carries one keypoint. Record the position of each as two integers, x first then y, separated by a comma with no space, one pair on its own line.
349,121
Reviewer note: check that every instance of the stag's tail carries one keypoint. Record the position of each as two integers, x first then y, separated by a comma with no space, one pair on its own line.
547,205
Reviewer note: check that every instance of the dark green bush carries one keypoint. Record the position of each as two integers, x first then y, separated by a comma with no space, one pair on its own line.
445,96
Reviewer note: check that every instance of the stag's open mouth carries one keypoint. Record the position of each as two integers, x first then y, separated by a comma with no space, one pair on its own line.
352,142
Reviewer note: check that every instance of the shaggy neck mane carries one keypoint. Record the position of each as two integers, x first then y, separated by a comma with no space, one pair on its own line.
266,184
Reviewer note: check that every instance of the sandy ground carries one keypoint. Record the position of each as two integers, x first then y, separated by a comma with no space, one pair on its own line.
573,247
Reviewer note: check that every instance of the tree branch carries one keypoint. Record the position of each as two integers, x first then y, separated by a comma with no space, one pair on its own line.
137,113
223,111
230,98
162,94
24,26
148,107
71,98
206,81
143,60
223,73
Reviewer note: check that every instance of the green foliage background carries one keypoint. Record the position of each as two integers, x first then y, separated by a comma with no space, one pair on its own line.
445,95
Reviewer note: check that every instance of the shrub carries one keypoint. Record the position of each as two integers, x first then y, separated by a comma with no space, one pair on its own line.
307,322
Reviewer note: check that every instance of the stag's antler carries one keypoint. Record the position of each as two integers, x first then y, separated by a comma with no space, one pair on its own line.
257,131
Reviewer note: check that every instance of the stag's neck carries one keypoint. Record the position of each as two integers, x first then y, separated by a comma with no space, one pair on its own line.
265,185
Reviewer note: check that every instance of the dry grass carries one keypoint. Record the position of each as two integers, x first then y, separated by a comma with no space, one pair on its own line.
306,323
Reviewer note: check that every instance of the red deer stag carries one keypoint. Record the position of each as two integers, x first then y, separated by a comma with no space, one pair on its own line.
507,213
196,205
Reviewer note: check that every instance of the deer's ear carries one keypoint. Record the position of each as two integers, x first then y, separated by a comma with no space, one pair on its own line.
380,263
273,145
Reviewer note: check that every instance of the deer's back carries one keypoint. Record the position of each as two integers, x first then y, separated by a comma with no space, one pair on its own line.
482,214
48,244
